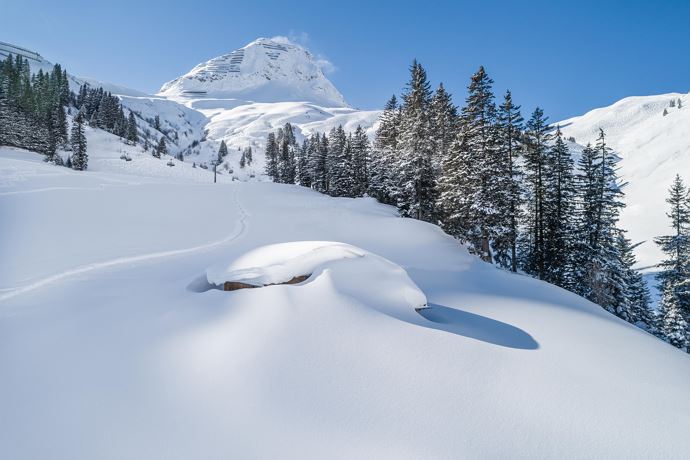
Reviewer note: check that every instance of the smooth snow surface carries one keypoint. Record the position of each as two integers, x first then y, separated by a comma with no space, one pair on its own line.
109,349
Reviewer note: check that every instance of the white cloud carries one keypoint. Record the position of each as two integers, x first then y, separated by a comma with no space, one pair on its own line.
302,39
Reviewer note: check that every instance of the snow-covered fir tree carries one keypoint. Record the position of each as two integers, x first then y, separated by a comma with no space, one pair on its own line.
132,129
272,157
444,122
560,213
79,159
599,274
317,162
416,191
537,138
339,165
222,151
360,161
287,146
637,295
509,123
161,148
674,277
304,174
382,183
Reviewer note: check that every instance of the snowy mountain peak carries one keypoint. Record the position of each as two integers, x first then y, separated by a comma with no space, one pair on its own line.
265,70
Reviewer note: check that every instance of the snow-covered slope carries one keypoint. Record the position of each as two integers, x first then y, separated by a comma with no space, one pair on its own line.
112,344
237,98
257,89
266,70
243,125
654,148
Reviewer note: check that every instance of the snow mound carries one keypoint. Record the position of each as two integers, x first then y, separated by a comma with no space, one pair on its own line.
352,271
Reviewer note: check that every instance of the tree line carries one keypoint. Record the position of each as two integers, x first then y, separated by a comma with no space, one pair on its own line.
509,189
34,112
32,107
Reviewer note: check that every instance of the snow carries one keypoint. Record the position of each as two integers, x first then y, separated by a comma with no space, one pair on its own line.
653,149
279,263
110,347
265,70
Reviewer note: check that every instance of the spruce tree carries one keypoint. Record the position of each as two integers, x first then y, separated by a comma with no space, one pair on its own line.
287,145
673,323
382,183
509,132
161,148
674,277
302,165
132,129
222,151
598,272
537,138
272,157
80,158
482,161
360,162
340,168
416,192
637,299
444,122
560,213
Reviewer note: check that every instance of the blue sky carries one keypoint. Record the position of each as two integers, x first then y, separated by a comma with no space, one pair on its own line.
567,57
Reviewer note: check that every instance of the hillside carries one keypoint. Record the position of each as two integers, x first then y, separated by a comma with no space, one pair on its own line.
653,148
112,345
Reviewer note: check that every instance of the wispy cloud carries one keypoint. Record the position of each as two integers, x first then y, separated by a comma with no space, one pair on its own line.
303,39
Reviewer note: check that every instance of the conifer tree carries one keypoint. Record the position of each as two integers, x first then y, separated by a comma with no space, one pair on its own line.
302,165
482,157
360,162
416,192
509,132
444,122
161,148
80,158
272,157
637,299
340,171
317,163
599,274
673,323
132,129
222,151
537,138
560,215
287,167
382,183
674,277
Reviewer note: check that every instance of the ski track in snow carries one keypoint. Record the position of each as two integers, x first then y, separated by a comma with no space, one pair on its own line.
239,230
